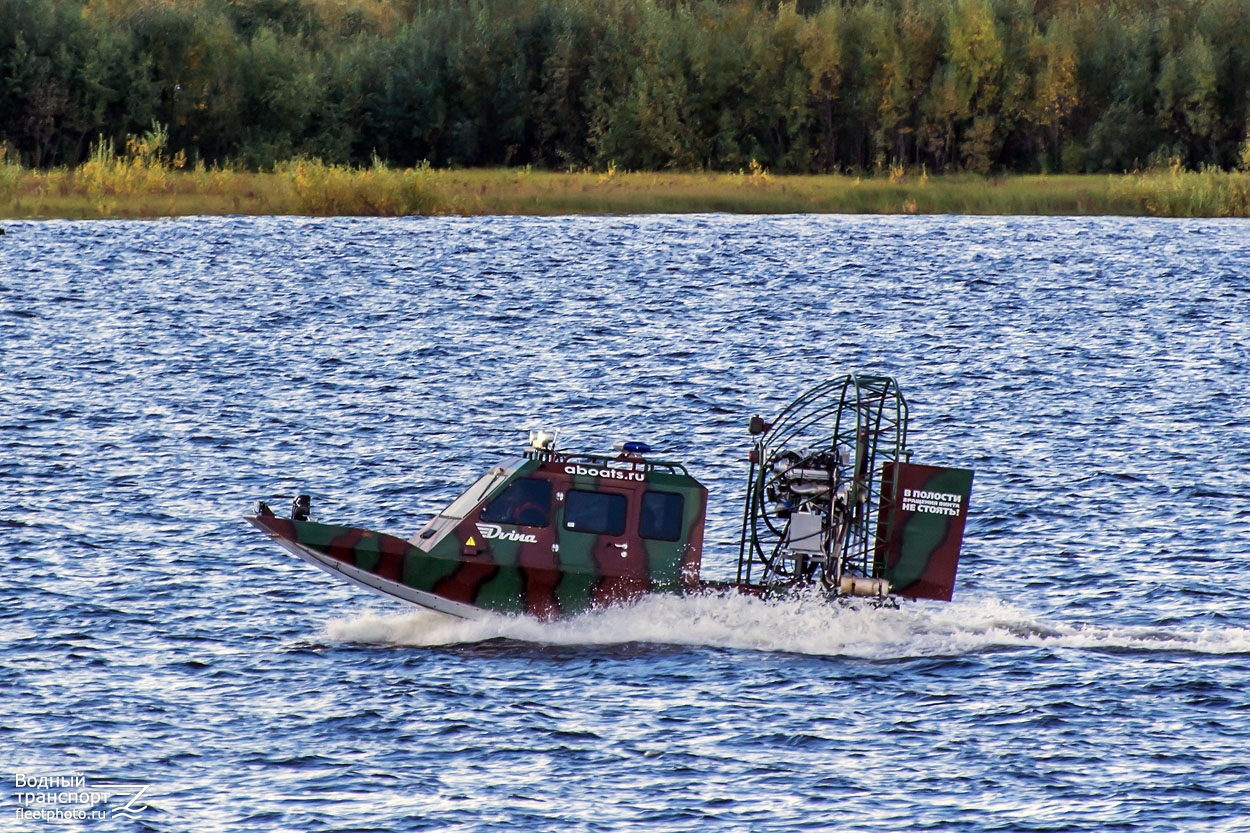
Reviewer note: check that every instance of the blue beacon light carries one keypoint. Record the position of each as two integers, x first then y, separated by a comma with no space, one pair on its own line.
634,447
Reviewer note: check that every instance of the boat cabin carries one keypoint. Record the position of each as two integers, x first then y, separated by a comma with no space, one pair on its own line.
569,531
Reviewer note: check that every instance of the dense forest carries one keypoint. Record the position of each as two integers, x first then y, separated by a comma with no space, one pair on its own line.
977,85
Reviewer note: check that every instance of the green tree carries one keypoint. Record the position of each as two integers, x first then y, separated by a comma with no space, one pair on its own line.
975,73
41,55
277,95
1187,86
820,42
1052,97
646,125
782,89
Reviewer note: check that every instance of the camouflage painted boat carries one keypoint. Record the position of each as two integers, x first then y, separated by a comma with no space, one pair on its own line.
832,503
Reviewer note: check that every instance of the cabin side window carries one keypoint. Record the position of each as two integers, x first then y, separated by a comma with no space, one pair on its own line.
661,516
526,502
595,513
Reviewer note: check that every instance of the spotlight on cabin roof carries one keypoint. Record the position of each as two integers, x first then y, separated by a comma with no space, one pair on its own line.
543,440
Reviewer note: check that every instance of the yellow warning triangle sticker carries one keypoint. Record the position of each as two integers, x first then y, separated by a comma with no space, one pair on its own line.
470,542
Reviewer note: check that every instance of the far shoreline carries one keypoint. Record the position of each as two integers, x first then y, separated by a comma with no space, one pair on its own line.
123,188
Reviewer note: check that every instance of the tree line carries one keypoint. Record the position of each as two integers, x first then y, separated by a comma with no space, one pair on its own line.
814,86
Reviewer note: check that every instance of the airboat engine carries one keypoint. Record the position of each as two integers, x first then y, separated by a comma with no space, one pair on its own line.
833,501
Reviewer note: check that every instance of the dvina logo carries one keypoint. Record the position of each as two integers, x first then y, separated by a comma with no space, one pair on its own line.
492,532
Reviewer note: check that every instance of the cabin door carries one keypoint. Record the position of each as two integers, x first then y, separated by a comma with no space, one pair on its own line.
600,553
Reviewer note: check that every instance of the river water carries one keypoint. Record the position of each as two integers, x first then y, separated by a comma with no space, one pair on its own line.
1092,674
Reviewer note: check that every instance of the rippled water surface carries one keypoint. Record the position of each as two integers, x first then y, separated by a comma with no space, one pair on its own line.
1092,674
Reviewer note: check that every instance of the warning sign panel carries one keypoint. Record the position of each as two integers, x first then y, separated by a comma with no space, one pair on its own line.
920,527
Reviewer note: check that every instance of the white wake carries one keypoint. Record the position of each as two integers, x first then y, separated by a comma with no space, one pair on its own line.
806,626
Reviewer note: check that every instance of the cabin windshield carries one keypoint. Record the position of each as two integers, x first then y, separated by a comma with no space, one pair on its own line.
475,494
526,502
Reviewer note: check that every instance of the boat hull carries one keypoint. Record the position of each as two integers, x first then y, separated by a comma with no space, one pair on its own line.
546,556
342,562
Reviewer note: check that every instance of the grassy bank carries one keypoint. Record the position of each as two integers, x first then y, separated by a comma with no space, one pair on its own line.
140,182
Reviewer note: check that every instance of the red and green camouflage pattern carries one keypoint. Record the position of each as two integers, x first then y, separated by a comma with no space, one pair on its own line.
833,502
921,528
547,534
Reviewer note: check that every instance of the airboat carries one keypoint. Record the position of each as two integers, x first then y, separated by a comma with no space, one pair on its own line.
833,505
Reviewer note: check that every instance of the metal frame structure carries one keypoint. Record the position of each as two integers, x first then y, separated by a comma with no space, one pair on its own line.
813,506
